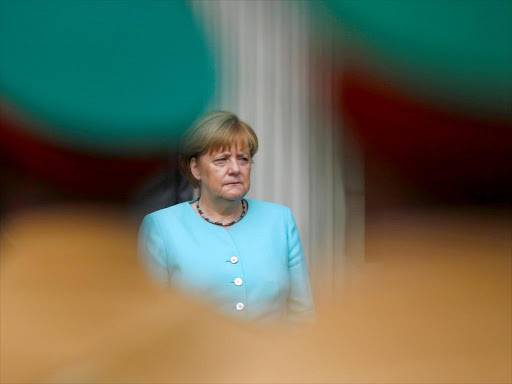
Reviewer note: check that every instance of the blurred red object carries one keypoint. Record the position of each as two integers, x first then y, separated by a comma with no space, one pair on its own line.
437,154
70,172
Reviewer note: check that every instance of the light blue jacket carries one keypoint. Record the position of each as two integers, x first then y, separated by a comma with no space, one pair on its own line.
254,270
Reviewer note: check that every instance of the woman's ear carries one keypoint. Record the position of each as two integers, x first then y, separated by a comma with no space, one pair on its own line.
195,169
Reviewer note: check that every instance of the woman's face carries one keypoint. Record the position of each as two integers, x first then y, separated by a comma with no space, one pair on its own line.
224,174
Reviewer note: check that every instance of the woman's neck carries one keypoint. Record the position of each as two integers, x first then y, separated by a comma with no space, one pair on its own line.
221,210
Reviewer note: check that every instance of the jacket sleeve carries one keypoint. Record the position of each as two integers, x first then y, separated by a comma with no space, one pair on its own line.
300,298
152,251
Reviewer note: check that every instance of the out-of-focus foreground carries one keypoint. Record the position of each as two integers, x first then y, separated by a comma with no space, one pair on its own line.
76,307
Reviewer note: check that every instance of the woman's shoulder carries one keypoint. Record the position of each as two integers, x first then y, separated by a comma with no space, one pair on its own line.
268,208
174,212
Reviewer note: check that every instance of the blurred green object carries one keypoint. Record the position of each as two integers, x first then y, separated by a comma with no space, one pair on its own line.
457,51
108,76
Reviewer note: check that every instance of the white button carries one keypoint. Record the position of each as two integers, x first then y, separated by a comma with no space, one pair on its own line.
234,260
240,306
238,281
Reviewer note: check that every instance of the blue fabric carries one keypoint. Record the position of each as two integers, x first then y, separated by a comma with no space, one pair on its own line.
182,249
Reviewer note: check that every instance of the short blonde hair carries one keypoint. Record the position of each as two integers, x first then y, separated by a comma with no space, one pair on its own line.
213,132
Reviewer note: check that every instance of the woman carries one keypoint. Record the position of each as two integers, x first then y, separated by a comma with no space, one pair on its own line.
243,256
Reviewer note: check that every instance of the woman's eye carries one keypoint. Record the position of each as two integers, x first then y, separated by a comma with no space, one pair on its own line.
244,159
220,161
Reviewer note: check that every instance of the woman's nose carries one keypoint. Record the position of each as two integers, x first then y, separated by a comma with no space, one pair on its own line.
233,166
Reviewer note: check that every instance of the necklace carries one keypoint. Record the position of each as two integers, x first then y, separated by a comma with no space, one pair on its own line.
244,211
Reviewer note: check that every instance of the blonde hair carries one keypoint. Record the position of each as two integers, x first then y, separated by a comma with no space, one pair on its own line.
213,132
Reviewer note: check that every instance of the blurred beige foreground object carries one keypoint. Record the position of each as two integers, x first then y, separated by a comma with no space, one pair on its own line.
77,307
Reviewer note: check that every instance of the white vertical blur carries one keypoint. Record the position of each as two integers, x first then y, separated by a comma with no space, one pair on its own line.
263,55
